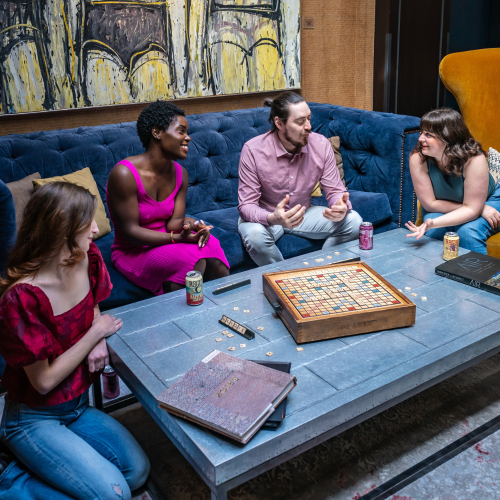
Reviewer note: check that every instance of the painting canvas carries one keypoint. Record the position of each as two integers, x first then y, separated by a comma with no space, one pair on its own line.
61,54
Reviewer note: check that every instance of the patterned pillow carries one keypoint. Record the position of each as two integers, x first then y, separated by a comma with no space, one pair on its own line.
494,164
335,143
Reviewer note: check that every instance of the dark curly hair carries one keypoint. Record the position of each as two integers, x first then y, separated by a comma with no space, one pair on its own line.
449,126
158,114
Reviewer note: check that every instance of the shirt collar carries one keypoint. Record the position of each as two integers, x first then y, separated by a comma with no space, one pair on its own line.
280,150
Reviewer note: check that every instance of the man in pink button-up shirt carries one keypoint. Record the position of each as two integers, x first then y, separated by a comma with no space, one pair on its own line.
278,172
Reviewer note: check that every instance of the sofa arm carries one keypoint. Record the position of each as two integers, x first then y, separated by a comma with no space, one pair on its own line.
375,150
7,225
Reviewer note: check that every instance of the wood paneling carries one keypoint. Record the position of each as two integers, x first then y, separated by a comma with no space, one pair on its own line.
337,68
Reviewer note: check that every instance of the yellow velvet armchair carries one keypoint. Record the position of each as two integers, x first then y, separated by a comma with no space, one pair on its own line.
473,77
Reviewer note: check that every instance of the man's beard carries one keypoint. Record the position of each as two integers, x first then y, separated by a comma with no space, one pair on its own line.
291,141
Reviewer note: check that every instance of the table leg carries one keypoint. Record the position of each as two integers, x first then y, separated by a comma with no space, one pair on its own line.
219,494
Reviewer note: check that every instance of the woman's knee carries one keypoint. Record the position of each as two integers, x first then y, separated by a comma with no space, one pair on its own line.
140,472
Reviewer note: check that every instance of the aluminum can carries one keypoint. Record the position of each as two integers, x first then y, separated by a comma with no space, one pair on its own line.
366,236
194,288
450,246
110,383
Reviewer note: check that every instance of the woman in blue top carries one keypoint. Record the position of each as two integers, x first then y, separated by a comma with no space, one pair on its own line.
450,175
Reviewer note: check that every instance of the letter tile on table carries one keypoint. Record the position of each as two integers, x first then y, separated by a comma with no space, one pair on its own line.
442,294
155,339
205,322
274,328
285,349
400,280
444,325
364,360
176,361
343,254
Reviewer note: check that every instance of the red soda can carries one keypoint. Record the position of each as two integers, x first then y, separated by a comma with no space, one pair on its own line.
194,288
366,236
110,383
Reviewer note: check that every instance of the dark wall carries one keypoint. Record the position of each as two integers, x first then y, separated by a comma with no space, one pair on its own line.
474,24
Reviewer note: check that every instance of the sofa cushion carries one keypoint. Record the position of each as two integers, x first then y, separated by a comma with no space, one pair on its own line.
84,179
124,292
373,207
22,191
8,225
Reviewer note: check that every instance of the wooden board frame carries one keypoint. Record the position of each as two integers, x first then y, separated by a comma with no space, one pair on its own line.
341,324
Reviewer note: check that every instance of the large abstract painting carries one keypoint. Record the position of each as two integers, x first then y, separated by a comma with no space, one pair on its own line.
60,54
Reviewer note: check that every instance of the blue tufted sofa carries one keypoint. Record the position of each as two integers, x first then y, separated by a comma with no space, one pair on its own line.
375,149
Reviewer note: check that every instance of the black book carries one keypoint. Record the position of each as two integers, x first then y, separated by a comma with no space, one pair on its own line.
473,269
277,417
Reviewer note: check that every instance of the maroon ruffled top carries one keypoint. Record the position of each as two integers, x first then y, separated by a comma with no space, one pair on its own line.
30,332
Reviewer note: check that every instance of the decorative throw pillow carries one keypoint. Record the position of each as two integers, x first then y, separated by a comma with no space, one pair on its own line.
22,191
335,143
84,179
494,164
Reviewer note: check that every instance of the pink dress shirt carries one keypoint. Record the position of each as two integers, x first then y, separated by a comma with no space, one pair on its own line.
268,172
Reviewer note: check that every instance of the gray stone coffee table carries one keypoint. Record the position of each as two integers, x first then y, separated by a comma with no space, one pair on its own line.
341,382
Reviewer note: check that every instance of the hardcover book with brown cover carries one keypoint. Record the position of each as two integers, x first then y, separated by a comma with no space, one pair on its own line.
229,395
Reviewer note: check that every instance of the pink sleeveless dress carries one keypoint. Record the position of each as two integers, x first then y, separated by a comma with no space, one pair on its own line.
147,266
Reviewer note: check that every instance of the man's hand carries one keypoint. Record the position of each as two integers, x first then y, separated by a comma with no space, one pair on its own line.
98,357
491,215
338,211
289,219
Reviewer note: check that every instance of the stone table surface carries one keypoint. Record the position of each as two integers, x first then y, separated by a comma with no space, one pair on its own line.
341,382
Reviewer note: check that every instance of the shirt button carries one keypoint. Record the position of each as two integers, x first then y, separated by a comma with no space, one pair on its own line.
291,194
291,177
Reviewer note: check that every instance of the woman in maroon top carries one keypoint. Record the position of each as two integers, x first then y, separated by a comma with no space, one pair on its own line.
52,337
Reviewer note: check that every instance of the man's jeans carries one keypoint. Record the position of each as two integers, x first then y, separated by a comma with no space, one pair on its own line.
260,240
74,448
473,234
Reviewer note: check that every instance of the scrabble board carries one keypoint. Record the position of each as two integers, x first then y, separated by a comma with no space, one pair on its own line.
336,300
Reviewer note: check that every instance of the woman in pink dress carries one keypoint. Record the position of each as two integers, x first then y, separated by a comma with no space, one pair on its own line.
155,244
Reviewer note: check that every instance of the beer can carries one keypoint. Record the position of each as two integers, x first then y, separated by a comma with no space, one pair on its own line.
366,236
450,246
194,288
110,383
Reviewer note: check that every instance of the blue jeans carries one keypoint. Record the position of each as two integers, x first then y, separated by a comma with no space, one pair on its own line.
473,234
77,449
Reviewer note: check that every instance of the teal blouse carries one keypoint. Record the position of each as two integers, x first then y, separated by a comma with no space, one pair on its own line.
448,187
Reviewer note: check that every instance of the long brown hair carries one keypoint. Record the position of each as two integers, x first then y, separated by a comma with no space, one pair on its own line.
55,215
449,126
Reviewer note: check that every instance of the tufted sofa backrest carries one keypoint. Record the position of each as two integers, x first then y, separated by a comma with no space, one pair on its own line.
375,148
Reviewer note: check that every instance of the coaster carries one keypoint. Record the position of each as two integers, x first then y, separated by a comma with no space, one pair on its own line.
243,345
424,298
231,348
269,353
260,328
399,290
328,256
320,260
231,335
306,263
224,332
300,349
236,308
246,311
218,340
336,253
414,295
407,287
